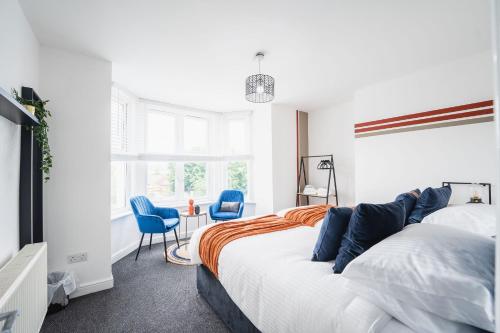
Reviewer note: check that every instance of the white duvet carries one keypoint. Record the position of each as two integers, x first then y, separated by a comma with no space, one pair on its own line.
273,281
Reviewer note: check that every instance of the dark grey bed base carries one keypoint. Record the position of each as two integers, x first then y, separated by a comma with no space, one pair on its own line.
216,296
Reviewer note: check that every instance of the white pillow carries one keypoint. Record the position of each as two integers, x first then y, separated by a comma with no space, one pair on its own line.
418,320
435,268
477,218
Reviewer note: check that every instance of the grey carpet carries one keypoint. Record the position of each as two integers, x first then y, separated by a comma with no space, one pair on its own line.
148,296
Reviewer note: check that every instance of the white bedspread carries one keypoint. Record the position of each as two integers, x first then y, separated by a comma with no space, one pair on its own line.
273,281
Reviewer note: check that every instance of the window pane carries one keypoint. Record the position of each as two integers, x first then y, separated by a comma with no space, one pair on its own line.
119,126
237,176
161,181
118,184
195,180
160,132
195,135
237,136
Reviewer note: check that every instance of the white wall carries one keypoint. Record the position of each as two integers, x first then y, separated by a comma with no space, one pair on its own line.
263,158
331,132
386,165
284,155
77,197
18,67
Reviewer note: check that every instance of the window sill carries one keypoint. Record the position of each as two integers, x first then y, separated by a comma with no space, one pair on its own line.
120,215
123,214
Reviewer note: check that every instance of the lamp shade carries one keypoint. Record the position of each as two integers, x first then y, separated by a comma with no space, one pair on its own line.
259,88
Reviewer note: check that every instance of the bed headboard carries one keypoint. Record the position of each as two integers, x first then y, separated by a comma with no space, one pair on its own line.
487,185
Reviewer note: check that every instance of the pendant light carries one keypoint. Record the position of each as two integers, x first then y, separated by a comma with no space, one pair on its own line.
259,87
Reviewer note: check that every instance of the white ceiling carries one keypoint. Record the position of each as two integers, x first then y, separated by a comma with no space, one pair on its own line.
198,53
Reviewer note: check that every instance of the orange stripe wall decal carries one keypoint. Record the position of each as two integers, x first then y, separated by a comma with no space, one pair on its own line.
473,113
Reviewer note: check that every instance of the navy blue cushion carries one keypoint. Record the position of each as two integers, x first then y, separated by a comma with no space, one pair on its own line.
333,228
409,199
369,225
431,200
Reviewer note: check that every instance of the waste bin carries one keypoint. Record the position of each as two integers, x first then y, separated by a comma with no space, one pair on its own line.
59,286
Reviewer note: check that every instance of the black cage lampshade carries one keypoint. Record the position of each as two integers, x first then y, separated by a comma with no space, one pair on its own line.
259,87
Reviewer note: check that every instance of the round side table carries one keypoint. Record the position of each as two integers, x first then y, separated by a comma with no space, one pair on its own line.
186,216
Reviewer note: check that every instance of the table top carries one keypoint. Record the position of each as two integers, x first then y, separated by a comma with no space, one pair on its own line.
186,214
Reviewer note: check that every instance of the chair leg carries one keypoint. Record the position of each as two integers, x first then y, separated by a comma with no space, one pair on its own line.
165,247
176,238
139,248
150,240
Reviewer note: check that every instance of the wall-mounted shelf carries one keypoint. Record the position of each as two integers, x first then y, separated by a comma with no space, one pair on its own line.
15,112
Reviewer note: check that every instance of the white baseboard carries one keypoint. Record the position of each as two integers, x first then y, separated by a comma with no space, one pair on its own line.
122,253
93,287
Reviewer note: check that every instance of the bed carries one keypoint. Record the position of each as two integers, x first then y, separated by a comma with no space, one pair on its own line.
272,281
268,283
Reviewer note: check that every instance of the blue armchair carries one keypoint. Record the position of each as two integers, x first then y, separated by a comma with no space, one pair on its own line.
227,196
154,220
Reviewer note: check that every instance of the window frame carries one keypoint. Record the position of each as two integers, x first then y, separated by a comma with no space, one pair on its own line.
176,133
226,173
182,144
174,198
216,157
121,96
207,181
127,188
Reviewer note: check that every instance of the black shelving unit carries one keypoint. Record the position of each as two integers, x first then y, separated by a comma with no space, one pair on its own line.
30,183
331,173
15,112
30,177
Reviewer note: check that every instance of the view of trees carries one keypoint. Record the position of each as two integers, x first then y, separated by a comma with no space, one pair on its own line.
195,179
161,181
237,176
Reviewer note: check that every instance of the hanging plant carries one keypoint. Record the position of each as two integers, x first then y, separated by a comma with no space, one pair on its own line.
40,131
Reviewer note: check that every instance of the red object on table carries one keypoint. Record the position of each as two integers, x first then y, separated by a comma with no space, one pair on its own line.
191,207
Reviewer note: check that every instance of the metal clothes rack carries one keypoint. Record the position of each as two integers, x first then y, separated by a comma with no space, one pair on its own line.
331,173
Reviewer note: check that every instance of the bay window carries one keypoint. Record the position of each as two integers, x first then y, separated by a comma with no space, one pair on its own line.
172,154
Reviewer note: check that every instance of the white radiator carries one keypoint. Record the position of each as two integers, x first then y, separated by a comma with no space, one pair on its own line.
23,287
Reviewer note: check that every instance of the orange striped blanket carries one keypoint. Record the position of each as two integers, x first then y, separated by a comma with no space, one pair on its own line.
215,238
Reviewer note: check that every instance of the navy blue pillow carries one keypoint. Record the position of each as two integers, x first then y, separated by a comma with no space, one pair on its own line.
333,228
369,225
431,200
409,199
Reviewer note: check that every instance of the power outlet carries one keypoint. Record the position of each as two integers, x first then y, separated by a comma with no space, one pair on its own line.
78,257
